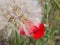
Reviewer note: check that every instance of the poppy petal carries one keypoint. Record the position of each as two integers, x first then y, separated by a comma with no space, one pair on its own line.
40,33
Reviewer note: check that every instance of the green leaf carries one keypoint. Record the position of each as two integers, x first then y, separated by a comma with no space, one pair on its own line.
48,7
57,3
17,41
39,42
26,42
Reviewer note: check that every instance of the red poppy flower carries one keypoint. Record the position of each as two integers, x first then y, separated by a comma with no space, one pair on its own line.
32,29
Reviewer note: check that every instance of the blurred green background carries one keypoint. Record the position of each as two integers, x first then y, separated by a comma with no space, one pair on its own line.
52,33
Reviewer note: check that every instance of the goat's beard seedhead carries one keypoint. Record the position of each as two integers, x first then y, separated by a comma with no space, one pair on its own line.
26,14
